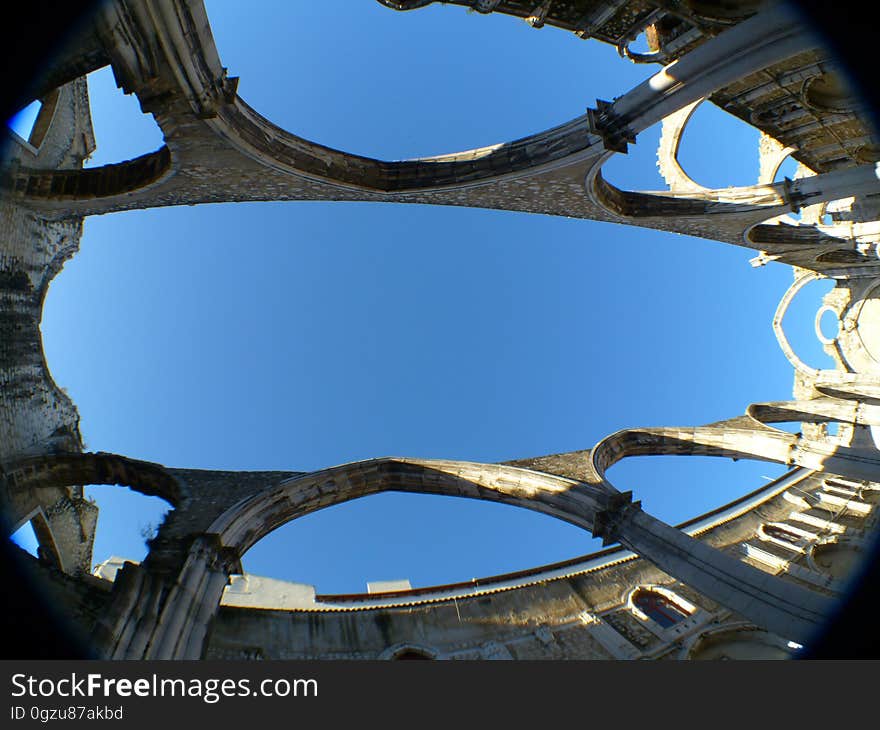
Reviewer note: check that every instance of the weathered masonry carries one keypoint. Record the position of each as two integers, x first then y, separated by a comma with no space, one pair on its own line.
751,579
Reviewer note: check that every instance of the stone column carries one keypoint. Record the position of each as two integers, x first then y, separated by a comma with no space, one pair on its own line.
156,614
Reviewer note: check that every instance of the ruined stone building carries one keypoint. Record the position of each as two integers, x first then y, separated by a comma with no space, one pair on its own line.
754,578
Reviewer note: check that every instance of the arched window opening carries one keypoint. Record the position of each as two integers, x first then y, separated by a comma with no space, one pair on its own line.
637,169
733,163
861,491
746,642
844,483
410,655
659,608
35,537
426,539
122,130
788,169
799,324
26,538
828,324
837,559
677,489
127,521
840,488
830,92
22,123
645,42
777,532
129,150
409,652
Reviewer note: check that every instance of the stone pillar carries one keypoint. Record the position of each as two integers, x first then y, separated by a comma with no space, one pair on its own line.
72,522
156,614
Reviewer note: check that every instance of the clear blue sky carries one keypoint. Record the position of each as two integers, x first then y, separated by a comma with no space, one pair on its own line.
304,335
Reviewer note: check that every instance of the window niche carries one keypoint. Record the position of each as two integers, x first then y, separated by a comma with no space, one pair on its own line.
660,606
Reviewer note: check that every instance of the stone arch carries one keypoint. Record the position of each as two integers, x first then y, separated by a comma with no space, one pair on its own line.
260,139
863,305
783,535
659,605
43,532
45,115
699,441
804,245
403,5
627,204
688,130
74,517
240,527
736,640
776,604
818,410
97,182
409,650
743,438
751,204
396,532
817,324
778,329
830,92
773,155
192,597
70,470
837,556
674,127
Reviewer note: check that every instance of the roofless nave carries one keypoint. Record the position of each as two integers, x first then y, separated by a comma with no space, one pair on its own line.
743,581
